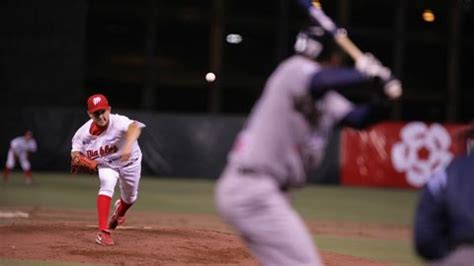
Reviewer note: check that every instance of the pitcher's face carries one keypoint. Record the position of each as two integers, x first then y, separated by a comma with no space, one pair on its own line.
100,117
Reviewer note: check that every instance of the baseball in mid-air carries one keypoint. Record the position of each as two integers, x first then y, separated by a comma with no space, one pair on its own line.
210,77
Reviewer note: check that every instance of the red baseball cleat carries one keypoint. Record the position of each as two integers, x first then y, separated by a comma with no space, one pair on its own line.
116,220
104,239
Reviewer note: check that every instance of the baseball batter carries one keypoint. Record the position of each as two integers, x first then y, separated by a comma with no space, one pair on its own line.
20,148
110,141
285,136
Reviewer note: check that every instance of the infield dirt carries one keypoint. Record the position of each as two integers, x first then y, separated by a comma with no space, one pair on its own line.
152,239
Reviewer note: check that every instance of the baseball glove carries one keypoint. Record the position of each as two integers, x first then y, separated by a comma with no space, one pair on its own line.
82,164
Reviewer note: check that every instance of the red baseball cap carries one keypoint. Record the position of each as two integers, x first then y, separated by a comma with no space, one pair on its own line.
97,102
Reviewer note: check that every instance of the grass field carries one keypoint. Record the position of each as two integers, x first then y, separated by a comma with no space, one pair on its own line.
361,206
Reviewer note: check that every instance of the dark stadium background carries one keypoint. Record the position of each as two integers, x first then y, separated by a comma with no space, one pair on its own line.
153,55
150,58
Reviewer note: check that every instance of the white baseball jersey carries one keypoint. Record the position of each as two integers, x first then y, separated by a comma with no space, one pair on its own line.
106,147
21,146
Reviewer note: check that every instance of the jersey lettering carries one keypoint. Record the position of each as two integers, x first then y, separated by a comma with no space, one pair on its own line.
102,151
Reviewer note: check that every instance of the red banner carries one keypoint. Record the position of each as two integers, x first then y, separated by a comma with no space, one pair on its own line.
398,154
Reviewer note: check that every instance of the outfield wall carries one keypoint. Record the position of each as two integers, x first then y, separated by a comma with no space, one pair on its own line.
398,154
388,154
172,145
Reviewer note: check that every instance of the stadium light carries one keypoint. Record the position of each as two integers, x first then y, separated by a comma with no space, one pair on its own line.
428,15
234,38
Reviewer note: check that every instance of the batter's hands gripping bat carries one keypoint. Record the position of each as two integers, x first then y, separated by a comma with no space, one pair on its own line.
392,87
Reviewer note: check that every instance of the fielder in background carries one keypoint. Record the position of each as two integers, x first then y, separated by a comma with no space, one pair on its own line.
107,144
20,148
284,137
444,218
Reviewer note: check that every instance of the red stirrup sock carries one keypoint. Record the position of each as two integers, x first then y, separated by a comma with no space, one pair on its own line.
28,176
6,174
123,207
103,206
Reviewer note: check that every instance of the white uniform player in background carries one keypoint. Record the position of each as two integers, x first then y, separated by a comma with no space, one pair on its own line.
20,148
284,137
110,140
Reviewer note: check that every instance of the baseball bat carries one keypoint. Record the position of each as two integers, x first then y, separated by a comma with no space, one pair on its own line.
339,34
394,91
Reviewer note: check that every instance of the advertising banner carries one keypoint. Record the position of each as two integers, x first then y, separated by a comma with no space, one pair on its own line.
398,154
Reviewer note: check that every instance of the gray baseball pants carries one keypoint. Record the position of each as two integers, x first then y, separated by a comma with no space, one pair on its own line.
255,207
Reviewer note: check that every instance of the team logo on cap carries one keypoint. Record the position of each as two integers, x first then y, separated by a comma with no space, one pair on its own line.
96,100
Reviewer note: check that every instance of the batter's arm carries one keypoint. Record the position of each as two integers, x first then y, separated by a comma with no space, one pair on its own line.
338,79
343,80
133,133
364,115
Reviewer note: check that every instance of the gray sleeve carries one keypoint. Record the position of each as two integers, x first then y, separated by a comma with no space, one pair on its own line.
333,108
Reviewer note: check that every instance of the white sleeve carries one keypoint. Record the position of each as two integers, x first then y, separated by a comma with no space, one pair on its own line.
124,122
139,124
33,146
14,143
76,142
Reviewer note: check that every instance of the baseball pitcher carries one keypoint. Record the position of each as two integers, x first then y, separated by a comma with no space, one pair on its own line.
285,136
107,144
20,148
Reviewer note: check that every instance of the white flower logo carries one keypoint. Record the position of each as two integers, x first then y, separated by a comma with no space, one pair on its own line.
422,151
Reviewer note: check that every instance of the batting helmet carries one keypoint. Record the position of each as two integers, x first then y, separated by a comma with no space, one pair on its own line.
314,42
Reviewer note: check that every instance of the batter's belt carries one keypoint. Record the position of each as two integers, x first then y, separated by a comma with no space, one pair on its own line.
256,172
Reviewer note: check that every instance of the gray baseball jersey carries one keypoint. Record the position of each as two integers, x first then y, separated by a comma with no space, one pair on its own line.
278,139
284,136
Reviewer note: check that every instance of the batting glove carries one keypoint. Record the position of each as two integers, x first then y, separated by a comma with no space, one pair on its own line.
371,67
393,89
